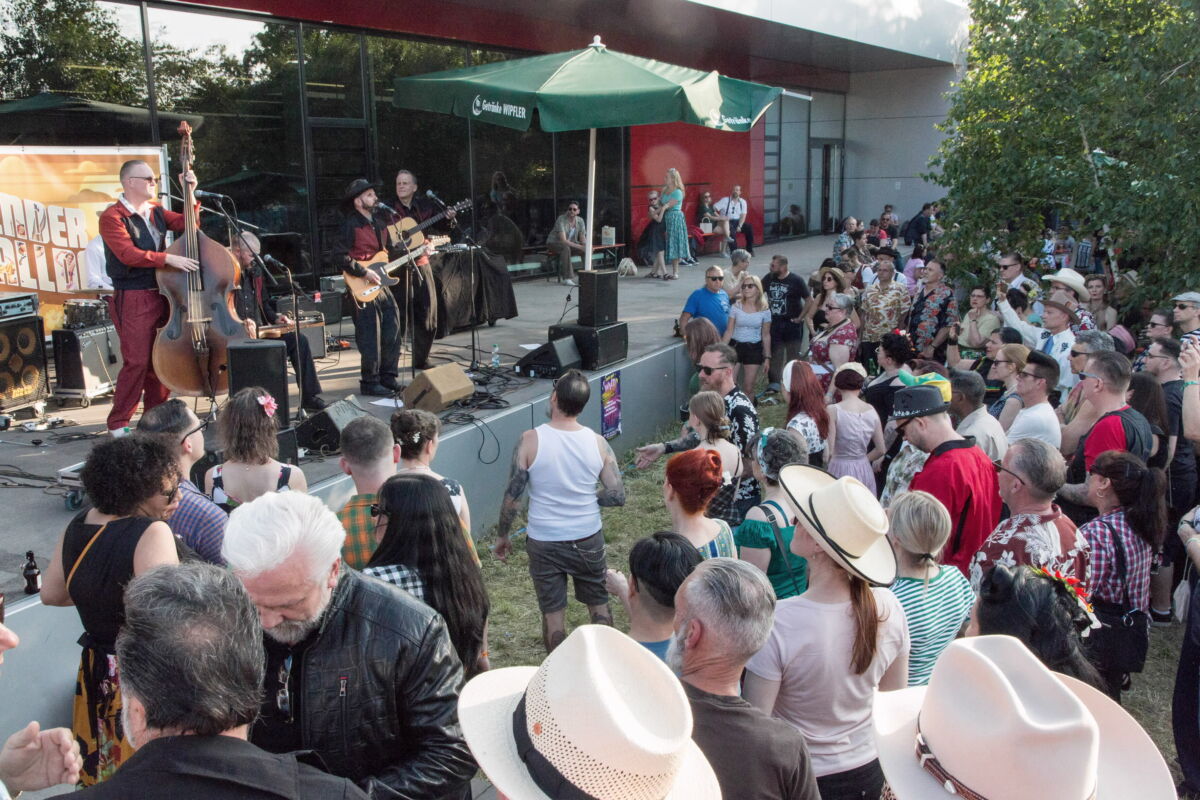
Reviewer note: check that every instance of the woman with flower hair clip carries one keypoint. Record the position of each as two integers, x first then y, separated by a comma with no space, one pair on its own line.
246,433
706,416
418,433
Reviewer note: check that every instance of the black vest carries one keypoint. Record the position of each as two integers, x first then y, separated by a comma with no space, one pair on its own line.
1139,438
124,277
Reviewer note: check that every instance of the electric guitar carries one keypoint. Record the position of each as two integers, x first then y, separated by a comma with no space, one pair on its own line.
406,233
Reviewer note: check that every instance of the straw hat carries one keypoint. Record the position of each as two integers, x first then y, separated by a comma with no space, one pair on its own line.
994,722
837,273
602,717
1069,277
845,519
1059,300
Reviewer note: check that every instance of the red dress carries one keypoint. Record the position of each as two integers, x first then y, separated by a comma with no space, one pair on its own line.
818,353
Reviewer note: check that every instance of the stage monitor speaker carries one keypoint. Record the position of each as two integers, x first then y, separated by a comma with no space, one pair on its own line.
597,297
551,359
289,453
599,347
438,388
330,305
261,362
86,359
323,432
23,374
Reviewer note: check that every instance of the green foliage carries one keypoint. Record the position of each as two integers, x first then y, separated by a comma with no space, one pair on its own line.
1087,108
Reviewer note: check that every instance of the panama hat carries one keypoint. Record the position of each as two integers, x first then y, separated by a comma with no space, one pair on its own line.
838,274
845,518
994,722
1069,277
602,718
1059,300
356,187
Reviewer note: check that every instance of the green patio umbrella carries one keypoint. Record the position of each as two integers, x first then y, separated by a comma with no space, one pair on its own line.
587,89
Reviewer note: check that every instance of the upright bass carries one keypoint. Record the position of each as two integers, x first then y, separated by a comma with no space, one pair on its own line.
191,350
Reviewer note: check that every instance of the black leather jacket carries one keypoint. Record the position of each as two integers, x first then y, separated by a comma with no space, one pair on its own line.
380,702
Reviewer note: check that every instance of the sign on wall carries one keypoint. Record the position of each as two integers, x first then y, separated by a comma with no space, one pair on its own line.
50,201
610,405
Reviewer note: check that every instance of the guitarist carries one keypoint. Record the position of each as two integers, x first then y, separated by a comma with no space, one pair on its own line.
417,290
377,324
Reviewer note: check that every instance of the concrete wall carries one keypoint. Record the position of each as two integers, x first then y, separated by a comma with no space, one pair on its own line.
890,136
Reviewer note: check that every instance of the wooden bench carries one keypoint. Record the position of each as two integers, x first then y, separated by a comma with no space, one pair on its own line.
707,239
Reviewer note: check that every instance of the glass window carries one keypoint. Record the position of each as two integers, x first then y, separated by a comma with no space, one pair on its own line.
58,68
793,166
572,151
236,81
333,73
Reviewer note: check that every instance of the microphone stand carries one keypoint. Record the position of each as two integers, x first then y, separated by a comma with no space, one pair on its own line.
472,246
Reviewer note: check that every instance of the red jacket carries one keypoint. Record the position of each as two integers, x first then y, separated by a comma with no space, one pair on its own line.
115,232
964,480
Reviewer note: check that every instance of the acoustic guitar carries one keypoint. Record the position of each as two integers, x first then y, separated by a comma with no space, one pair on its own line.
406,233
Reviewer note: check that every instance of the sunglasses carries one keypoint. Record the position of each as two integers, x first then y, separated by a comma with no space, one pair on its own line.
171,494
1001,468
1077,354
998,361
1007,266
715,277
710,370
1160,325
833,308
1183,306
377,510
1030,375
1086,375
147,179
283,697
196,429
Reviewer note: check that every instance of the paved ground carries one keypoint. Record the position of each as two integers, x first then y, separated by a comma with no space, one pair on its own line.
33,518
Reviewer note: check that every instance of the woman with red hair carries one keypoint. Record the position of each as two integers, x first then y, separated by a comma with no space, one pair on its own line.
692,480
806,413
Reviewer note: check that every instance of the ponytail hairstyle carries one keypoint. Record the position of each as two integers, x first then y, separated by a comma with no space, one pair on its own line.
695,476
709,408
920,527
805,394
1139,489
866,624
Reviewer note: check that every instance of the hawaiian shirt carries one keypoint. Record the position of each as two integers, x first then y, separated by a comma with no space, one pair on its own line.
841,243
1087,322
933,310
883,309
1049,541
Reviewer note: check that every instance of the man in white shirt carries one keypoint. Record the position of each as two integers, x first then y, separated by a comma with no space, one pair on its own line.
1055,339
734,208
1012,272
1037,419
967,389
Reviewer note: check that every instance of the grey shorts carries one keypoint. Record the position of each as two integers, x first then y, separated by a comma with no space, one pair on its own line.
551,562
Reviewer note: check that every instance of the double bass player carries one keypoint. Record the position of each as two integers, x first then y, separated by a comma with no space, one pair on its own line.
134,233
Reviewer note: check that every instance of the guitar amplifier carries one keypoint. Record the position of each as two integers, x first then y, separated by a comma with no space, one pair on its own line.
599,346
86,360
23,378
330,306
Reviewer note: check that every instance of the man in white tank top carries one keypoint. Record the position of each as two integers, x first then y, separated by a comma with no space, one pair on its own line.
560,463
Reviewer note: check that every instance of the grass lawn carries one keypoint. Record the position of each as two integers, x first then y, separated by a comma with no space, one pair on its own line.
515,636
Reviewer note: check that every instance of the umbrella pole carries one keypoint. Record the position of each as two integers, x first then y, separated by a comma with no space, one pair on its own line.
591,206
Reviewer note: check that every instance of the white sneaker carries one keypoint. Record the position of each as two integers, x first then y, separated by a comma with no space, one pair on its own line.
117,433
569,282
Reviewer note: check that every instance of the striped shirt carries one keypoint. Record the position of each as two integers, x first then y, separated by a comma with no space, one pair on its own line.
936,612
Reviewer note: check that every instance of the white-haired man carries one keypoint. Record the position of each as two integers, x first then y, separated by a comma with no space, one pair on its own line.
724,612
356,670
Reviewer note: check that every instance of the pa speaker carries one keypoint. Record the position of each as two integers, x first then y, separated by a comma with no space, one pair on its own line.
261,362
289,453
438,387
23,378
597,297
86,359
323,432
551,359
599,347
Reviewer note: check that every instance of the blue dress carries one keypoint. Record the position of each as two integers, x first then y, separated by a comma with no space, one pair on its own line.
677,240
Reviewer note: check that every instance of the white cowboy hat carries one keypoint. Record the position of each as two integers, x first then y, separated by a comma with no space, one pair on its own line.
602,717
1069,277
845,519
994,722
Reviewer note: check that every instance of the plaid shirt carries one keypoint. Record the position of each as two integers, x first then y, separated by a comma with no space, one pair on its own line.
356,518
1103,583
400,575
200,523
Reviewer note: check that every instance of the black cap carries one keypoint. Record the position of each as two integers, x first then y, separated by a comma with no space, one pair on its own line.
918,401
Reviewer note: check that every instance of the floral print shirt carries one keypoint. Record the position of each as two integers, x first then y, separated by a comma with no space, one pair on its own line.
883,309
1049,541
933,310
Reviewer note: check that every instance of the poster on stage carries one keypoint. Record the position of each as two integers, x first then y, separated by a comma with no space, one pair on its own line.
50,202
610,405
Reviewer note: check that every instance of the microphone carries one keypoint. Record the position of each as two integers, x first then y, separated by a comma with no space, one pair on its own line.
381,206
429,193
274,262
203,194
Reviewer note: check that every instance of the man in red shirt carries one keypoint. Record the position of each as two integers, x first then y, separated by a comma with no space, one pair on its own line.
957,472
1105,380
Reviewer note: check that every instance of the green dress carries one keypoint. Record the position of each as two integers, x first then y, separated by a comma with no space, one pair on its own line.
758,535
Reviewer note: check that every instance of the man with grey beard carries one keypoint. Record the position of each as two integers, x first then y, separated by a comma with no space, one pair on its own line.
357,670
723,615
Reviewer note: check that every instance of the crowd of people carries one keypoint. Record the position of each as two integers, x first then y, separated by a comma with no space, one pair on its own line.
964,514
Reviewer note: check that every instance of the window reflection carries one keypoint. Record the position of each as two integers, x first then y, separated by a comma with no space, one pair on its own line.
332,73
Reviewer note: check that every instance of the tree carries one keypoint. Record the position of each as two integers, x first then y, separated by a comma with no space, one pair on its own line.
1084,110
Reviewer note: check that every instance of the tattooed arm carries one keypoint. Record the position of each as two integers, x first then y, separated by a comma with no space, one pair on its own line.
1075,493
518,481
612,488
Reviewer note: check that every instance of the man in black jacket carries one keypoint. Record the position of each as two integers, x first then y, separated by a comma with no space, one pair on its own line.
191,682
357,670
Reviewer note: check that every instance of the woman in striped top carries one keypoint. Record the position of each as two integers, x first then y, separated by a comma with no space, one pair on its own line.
937,599
693,478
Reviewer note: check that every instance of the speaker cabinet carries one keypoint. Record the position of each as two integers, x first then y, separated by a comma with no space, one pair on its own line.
86,360
23,378
597,297
551,359
323,432
599,347
330,305
438,388
289,453
261,362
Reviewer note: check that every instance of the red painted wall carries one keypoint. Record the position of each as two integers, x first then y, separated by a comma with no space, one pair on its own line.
706,159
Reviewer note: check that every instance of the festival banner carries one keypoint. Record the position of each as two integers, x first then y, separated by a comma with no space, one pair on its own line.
50,202
610,405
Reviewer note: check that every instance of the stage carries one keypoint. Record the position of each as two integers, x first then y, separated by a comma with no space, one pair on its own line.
475,451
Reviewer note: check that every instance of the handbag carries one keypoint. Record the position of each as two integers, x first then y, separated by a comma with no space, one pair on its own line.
706,226
1121,643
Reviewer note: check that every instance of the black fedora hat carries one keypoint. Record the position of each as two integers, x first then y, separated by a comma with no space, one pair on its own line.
886,251
356,187
918,401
